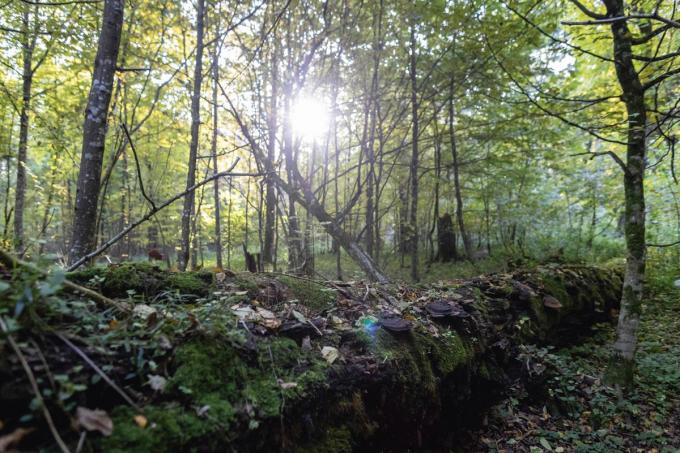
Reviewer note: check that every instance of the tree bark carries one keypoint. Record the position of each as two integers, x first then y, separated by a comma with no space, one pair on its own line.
413,214
270,196
467,244
213,147
94,131
28,46
188,209
622,365
370,147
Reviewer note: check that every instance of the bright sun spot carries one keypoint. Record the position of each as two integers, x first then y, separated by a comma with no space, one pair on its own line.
309,118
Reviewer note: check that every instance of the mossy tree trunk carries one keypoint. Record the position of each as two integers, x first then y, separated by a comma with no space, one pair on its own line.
622,364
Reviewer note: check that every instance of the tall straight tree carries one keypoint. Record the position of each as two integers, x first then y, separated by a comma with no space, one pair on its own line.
456,176
270,196
28,41
213,144
413,212
94,130
623,360
189,200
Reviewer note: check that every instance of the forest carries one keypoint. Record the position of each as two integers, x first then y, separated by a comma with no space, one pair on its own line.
335,226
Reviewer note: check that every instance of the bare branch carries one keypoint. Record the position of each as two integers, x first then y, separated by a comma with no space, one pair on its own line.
659,79
153,212
609,20
664,245
586,11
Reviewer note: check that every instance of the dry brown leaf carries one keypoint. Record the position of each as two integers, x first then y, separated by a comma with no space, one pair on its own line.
13,438
94,420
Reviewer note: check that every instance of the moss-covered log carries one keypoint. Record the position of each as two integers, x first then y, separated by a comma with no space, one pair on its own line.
230,388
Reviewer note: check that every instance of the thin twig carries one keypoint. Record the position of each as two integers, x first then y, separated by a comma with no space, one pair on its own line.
99,371
664,245
153,212
34,387
139,170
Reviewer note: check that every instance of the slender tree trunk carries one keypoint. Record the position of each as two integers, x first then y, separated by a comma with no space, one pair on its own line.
622,365
28,45
213,146
437,175
94,131
308,267
370,148
294,239
270,196
467,244
7,210
188,209
414,157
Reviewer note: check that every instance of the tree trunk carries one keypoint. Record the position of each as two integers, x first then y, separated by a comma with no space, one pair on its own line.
94,131
467,244
213,146
413,214
446,239
28,45
188,209
370,148
270,196
294,237
622,365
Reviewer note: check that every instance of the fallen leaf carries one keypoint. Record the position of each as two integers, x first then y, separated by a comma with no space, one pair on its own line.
330,354
299,316
306,344
141,420
144,311
113,324
157,382
266,314
94,420
13,438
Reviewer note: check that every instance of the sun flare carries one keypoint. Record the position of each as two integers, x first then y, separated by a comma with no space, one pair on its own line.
309,118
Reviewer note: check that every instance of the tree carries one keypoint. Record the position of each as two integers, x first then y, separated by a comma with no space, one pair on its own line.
189,209
94,130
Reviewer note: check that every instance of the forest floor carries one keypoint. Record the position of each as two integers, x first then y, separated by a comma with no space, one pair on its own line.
563,407
577,412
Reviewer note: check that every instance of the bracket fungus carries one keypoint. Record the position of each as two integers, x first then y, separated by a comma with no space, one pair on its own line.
394,323
551,302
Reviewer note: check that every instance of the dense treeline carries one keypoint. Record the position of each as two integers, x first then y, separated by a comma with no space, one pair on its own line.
398,133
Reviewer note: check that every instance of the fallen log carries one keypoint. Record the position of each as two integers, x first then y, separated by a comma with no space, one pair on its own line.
393,369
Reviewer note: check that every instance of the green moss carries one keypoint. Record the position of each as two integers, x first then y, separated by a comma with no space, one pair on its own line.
170,427
556,288
143,278
421,359
310,294
190,282
334,440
